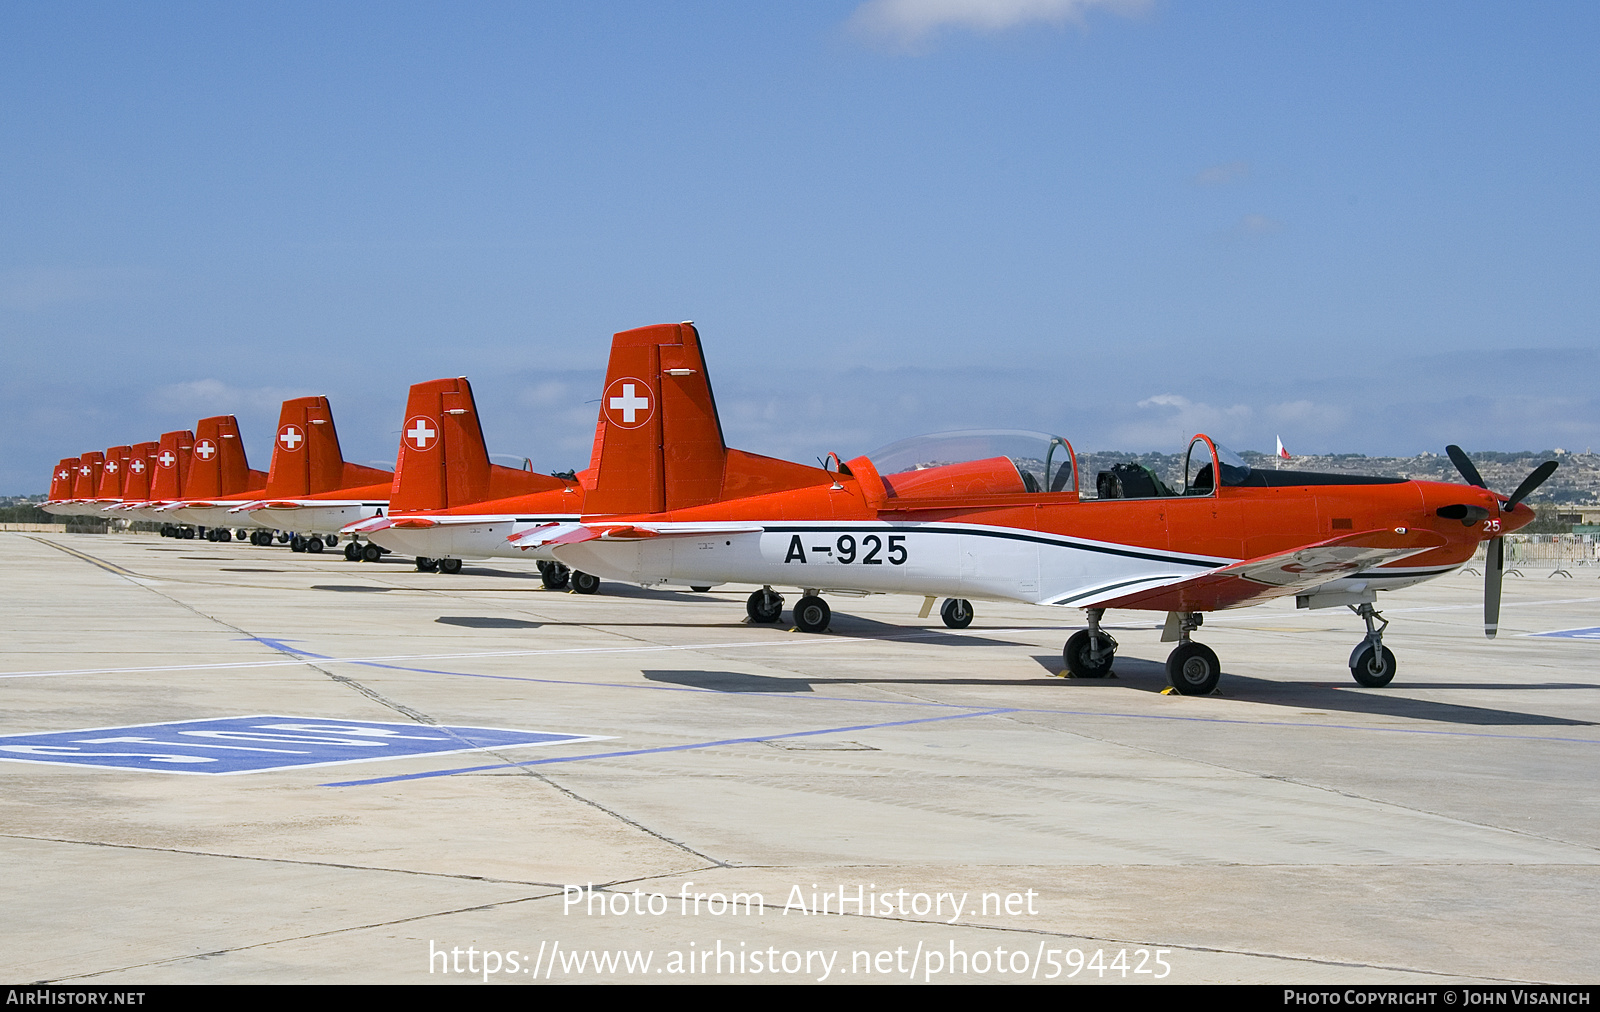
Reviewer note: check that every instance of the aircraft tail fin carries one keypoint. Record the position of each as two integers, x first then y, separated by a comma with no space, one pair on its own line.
115,473
62,478
659,442
90,467
306,458
141,468
172,465
443,460
219,466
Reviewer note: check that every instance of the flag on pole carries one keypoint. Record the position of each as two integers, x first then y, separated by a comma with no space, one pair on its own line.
1283,453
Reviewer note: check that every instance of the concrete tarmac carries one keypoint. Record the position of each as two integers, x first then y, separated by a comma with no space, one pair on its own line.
1291,828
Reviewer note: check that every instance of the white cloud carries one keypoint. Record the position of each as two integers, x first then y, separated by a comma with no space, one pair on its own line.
1174,418
911,23
1258,224
1217,175
37,289
214,397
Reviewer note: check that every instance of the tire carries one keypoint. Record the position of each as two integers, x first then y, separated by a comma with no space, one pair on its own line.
331,540
1193,669
956,612
314,546
584,583
297,544
812,614
427,565
553,575
371,552
1362,669
764,607
1080,663
352,551
449,565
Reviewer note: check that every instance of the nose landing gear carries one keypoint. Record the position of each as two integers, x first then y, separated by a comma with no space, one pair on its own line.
1090,651
1371,663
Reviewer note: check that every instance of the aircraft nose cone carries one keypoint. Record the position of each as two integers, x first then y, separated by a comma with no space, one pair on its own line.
1518,516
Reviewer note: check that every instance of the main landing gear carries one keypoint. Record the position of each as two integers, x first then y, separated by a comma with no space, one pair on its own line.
1090,651
1192,668
1371,663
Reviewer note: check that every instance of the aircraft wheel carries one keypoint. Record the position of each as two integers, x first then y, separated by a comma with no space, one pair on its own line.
584,583
283,539
812,614
454,566
1370,668
553,575
314,546
764,607
701,590
352,551
425,565
331,540
1080,662
1193,669
240,534
956,612
371,552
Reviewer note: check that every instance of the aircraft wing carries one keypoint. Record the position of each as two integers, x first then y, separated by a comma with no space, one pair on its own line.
1280,575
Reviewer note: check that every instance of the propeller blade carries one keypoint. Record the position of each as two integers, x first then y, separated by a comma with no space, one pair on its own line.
1494,560
1464,464
1530,483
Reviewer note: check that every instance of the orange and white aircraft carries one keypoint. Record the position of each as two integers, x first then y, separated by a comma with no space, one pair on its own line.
62,479
158,476
311,488
218,478
946,516
451,502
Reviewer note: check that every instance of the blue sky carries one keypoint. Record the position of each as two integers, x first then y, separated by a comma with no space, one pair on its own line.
1367,227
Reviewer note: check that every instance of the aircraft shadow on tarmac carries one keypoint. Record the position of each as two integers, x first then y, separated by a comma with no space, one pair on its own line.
486,622
1151,676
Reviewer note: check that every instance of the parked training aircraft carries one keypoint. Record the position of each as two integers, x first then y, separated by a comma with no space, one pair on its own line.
450,502
947,517
217,479
311,488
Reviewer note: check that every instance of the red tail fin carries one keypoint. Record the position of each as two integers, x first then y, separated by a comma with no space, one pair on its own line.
306,459
443,461
661,445
115,473
87,484
219,466
172,465
61,479
141,465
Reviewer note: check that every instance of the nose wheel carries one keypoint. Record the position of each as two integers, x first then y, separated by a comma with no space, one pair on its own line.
765,606
1371,663
1090,651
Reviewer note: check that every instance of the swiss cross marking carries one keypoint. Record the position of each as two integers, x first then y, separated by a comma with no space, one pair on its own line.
137,466
628,402
290,437
204,449
420,432
167,459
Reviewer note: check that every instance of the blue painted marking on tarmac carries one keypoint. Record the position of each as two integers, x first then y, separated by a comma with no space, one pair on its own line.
259,743
1591,633
667,748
